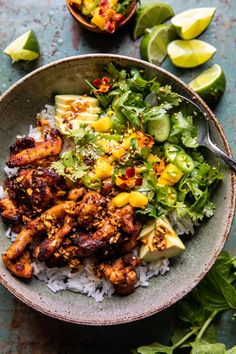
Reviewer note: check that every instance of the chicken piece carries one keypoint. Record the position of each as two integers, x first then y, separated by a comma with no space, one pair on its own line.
90,210
50,245
21,267
87,244
36,227
9,212
21,156
66,254
76,193
32,188
108,188
121,273
122,217
132,241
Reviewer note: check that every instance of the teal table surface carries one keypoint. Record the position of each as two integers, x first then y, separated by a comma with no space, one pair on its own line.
23,330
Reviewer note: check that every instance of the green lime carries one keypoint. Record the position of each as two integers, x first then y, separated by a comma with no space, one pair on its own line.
150,16
25,47
191,23
153,47
189,54
210,84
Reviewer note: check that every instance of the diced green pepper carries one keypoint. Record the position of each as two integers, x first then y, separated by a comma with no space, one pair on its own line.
166,195
184,162
92,182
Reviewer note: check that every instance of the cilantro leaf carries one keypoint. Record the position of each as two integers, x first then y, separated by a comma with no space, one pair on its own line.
70,166
85,142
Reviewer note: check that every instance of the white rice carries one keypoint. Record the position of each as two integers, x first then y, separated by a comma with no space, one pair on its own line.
84,281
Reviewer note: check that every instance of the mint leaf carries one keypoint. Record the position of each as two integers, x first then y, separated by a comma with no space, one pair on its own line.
207,348
155,348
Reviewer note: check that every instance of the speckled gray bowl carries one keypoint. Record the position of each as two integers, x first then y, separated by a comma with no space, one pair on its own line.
18,108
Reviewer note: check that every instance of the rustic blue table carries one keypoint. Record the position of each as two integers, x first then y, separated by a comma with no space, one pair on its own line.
22,330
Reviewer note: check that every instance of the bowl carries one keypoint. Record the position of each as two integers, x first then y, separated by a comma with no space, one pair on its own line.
79,17
18,109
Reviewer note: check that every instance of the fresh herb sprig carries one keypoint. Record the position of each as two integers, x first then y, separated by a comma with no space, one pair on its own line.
197,315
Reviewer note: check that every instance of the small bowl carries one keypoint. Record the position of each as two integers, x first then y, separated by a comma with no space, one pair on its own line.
86,24
18,109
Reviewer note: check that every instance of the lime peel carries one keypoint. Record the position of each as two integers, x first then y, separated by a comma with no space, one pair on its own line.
191,23
210,84
153,47
25,47
191,53
150,16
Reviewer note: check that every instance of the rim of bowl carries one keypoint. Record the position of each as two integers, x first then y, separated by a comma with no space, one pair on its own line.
81,19
220,244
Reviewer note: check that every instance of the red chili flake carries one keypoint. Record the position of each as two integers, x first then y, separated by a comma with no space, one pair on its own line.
139,181
97,82
122,177
105,80
118,18
130,172
102,85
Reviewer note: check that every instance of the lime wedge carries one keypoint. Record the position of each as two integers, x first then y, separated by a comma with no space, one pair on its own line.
210,84
153,47
25,47
190,24
150,16
189,54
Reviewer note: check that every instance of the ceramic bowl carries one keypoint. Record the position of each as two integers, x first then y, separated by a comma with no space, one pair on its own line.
83,21
18,109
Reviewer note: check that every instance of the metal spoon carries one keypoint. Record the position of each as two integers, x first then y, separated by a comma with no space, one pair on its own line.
202,123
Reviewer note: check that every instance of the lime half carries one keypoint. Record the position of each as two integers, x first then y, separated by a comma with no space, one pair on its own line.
153,47
210,84
190,24
150,16
25,47
189,54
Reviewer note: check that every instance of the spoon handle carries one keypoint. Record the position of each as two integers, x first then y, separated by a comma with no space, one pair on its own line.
228,160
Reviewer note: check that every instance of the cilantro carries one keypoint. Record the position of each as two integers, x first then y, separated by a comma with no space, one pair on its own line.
70,166
183,128
85,142
165,94
123,6
196,316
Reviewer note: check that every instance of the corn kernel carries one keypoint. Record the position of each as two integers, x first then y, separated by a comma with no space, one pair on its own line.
153,158
126,142
138,200
103,169
119,153
102,125
121,199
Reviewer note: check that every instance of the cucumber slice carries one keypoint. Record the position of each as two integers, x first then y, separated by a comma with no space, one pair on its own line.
159,128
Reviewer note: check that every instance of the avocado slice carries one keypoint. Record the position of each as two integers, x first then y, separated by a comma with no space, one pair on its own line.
74,125
63,104
174,246
69,99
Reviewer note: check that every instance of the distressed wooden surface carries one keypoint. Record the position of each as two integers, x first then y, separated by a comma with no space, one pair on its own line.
22,330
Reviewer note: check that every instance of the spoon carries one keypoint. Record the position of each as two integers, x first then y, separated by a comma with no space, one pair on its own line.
204,139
